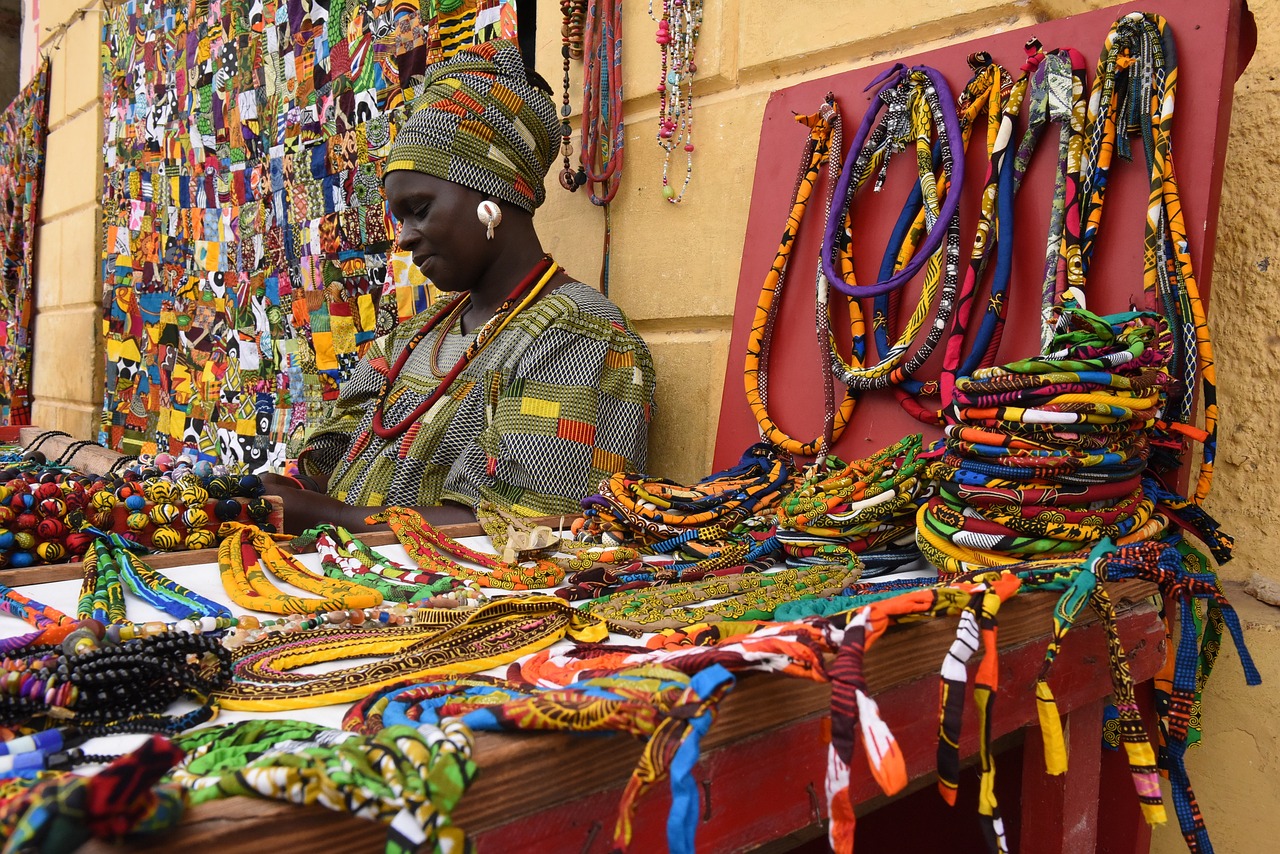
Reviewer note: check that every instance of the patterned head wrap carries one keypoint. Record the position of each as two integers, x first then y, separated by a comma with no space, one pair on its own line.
481,124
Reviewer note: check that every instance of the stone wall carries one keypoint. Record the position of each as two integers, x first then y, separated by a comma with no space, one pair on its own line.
67,376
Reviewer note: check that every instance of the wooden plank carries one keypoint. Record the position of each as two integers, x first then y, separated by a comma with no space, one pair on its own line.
772,731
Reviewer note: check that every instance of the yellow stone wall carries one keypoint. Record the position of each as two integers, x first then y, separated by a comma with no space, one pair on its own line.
67,375
675,270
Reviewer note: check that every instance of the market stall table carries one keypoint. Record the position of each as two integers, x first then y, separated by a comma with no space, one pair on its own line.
763,762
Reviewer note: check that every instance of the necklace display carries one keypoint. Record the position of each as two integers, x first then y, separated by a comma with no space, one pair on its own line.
247,552
822,146
677,36
429,547
520,298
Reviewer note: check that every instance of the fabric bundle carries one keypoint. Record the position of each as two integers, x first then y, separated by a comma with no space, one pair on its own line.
1044,457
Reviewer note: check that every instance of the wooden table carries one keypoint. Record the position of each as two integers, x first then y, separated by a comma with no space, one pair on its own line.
763,762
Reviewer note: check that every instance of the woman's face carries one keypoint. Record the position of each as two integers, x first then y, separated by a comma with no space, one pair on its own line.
438,224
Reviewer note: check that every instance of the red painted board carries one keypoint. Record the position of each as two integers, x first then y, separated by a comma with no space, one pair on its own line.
771,785
1211,51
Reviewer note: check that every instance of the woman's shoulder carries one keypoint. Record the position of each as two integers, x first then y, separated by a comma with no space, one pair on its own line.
577,305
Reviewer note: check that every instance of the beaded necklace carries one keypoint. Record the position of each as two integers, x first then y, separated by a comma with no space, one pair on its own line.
678,31
125,687
823,145
572,12
245,554
749,597
521,296
919,102
428,548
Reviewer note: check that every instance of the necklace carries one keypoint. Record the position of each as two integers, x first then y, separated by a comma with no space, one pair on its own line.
572,12
890,135
490,636
1137,77
742,597
246,553
823,145
523,294
603,134
344,556
918,103
408,778
678,30
988,92
427,547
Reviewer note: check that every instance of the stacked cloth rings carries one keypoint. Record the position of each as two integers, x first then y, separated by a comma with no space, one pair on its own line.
862,511
1045,456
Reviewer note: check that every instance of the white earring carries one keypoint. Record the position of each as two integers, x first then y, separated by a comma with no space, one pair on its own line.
490,215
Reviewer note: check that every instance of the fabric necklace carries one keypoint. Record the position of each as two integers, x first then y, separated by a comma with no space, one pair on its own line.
408,778
669,710
823,145
1134,89
919,102
243,557
428,548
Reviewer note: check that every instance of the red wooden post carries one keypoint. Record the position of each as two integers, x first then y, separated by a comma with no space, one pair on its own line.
1060,813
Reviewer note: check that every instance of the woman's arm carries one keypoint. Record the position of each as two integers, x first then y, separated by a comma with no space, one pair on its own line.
304,509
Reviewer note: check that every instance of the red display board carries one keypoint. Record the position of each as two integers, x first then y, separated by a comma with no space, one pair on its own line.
1214,41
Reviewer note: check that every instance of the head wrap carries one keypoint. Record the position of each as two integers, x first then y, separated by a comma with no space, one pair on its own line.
481,124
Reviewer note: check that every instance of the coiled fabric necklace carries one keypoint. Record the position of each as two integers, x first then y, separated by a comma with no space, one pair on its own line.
1134,89
919,102
822,146
986,93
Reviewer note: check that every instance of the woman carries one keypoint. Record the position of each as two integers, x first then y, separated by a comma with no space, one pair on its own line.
522,386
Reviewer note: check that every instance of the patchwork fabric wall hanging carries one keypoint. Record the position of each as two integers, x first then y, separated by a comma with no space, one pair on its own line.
23,127
248,257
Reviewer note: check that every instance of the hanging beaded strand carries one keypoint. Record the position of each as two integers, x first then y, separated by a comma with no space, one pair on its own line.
570,49
677,35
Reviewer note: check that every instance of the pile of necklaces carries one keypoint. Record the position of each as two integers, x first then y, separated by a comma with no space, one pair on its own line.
51,513
1054,473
